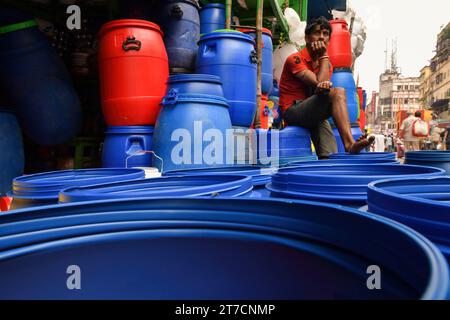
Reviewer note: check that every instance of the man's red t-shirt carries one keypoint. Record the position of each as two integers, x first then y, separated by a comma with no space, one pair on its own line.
292,88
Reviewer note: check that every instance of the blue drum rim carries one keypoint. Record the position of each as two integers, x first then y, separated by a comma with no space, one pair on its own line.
231,35
196,77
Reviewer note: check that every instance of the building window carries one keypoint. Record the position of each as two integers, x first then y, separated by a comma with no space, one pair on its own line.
399,88
405,101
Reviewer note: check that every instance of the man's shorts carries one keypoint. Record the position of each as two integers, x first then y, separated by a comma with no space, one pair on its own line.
312,114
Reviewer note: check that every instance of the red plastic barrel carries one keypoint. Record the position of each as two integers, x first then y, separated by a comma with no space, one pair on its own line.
134,69
340,47
5,202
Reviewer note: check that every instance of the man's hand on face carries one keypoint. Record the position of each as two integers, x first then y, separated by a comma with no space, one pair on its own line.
323,87
319,48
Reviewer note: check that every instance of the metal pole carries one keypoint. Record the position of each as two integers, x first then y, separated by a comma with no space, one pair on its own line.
228,14
259,44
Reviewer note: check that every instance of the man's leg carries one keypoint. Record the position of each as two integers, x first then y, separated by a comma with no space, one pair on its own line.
324,140
339,112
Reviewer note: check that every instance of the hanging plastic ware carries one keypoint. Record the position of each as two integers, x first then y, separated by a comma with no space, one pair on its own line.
191,132
192,186
36,81
231,55
181,24
342,184
266,63
12,158
43,188
196,84
133,72
438,159
127,147
309,240
343,78
340,47
420,203
212,17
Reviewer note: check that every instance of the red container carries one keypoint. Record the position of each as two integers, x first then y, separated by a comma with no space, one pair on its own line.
5,203
340,46
264,115
134,69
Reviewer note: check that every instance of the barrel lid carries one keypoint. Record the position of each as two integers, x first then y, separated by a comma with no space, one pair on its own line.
168,186
173,97
47,185
129,23
368,155
213,5
227,33
130,129
251,30
431,156
194,77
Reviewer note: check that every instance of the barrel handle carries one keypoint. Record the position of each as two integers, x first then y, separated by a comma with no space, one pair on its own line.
176,12
142,152
131,44
171,97
254,57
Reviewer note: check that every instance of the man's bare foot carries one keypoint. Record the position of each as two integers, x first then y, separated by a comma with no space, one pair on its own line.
362,143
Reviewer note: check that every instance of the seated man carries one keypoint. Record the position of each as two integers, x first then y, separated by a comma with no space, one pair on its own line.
307,98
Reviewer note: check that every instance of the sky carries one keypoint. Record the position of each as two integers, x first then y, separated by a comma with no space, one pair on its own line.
415,24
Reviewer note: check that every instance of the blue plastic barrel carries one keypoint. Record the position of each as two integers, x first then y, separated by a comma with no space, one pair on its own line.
260,176
343,184
125,147
181,25
422,204
292,142
38,84
343,78
212,17
356,133
438,159
367,162
191,132
365,155
266,63
195,84
364,100
43,188
12,159
198,236
231,55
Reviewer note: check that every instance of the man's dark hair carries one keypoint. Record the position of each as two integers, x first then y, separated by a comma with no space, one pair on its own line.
319,21
418,114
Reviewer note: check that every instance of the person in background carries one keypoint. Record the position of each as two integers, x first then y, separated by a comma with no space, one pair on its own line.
308,99
389,143
411,142
446,139
435,132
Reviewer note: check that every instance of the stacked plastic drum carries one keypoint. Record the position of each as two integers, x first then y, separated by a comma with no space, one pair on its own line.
340,52
212,17
280,250
420,203
438,159
133,80
36,82
231,55
344,184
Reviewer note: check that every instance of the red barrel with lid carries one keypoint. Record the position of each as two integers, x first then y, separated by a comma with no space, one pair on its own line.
134,69
264,115
340,46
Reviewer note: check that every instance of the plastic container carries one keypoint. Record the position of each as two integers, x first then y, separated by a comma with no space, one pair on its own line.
127,147
181,24
212,17
421,203
365,155
133,70
356,133
182,186
43,188
266,63
12,159
281,250
343,184
340,47
196,84
366,162
343,78
438,159
191,132
231,55
36,81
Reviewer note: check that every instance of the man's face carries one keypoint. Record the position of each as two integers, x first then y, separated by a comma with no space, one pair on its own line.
318,34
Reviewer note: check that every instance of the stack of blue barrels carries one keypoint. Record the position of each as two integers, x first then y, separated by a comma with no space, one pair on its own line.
280,249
